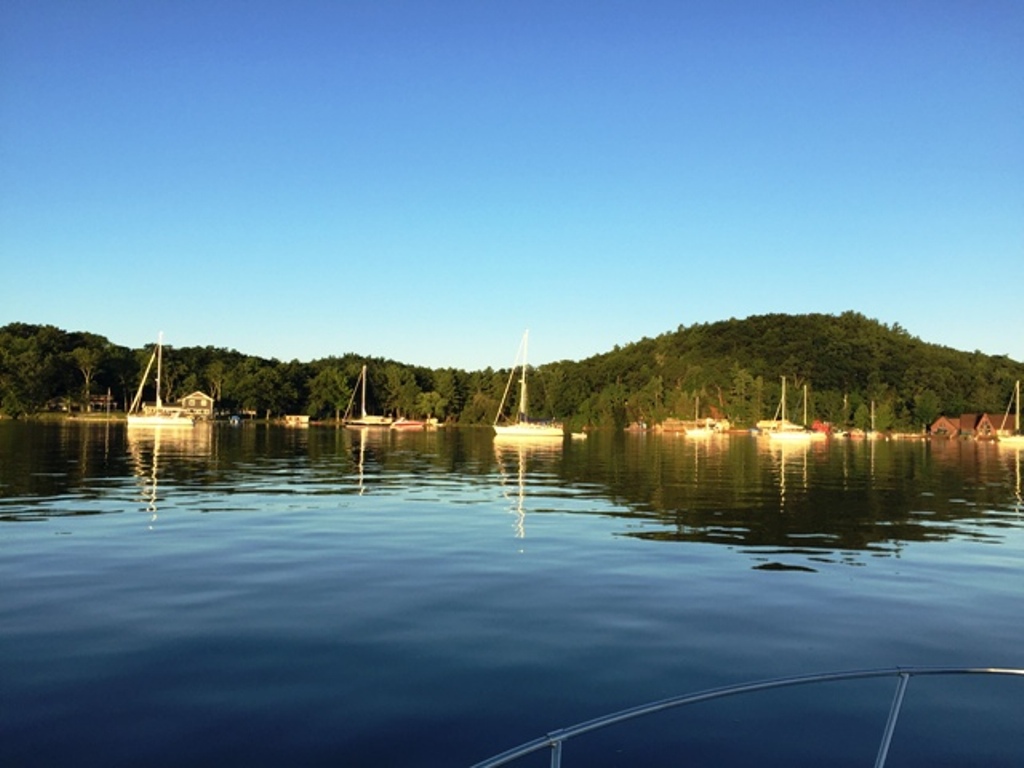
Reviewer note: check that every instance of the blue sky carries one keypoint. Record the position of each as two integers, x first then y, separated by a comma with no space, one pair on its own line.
423,181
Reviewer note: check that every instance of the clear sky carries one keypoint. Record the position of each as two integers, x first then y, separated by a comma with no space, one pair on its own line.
422,181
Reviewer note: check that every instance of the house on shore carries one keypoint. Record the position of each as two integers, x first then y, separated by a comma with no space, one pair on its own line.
945,426
198,405
990,425
981,426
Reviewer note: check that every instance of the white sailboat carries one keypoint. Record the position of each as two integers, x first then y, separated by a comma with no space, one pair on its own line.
157,415
784,429
365,419
522,428
1016,439
699,430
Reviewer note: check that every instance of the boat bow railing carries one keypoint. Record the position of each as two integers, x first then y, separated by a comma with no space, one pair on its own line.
555,739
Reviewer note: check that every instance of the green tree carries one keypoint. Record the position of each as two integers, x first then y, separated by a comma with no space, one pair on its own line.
329,391
480,409
269,392
215,374
174,372
430,404
611,406
862,417
450,386
88,358
401,392
885,417
926,408
36,367
743,392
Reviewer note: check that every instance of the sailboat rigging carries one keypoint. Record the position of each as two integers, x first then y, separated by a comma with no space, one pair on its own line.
784,429
1016,439
157,415
365,419
522,427
699,429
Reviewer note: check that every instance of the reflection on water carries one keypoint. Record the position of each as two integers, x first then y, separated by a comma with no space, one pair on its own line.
144,448
821,499
330,597
1013,455
826,499
791,458
367,446
361,461
512,458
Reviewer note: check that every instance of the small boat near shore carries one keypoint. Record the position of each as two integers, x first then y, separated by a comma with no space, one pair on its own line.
408,425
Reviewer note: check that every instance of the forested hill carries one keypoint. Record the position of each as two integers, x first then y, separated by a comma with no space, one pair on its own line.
735,366
726,369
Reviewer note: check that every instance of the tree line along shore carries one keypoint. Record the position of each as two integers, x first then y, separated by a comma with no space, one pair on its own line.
848,366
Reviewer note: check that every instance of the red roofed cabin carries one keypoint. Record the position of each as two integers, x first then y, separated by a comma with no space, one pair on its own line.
981,426
945,427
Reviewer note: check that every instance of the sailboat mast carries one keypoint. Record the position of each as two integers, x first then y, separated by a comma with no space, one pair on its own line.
1016,428
159,360
363,403
142,384
523,410
783,398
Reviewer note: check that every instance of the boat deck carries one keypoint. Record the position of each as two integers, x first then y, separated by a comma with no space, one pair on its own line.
555,740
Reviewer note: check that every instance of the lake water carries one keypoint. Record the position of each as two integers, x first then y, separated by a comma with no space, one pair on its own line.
267,596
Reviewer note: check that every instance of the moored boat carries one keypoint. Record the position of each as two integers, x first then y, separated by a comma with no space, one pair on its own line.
529,430
1015,440
783,429
701,427
161,417
364,419
157,414
408,425
523,428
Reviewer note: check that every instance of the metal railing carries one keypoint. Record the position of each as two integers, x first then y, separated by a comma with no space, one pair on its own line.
555,739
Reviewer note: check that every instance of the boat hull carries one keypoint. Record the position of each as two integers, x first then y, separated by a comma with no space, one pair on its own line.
408,425
529,431
160,420
370,421
797,436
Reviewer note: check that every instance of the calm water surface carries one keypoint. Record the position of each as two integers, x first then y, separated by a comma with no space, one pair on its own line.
266,596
